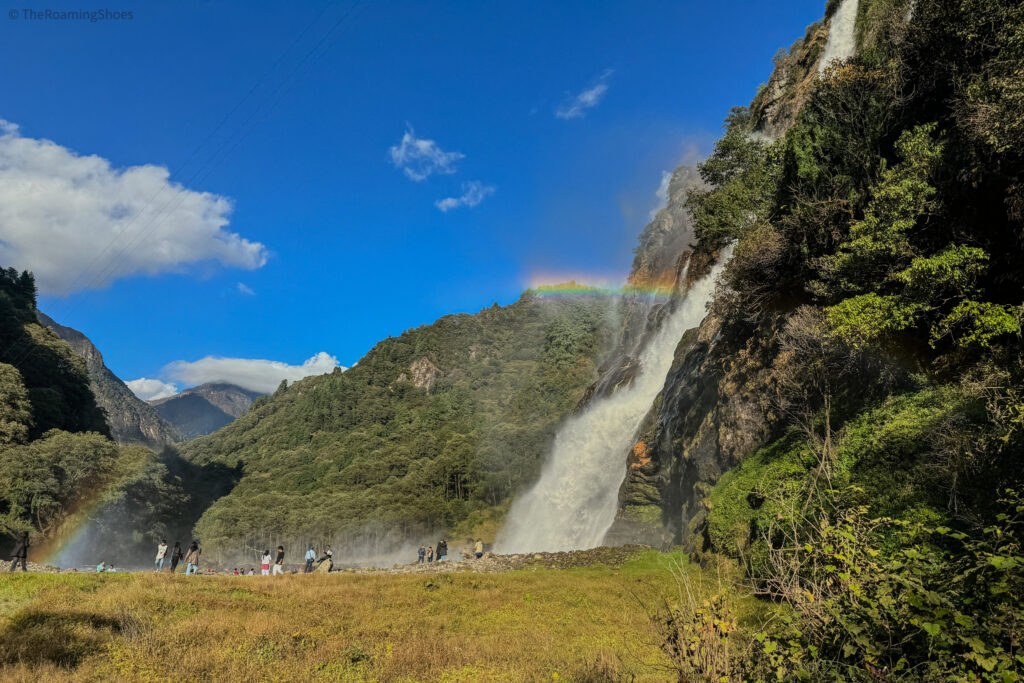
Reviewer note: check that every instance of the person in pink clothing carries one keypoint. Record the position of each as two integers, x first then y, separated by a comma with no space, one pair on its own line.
265,563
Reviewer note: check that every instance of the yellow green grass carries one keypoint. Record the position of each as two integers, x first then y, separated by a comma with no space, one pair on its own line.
585,624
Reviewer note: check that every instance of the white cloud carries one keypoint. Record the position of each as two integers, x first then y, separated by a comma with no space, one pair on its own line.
151,389
575,106
473,193
78,223
250,373
420,158
245,289
662,193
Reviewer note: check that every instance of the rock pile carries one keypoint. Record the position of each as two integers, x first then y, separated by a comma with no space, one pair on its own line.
32,567
490,562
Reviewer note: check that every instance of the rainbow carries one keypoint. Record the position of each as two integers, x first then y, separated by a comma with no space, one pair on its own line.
71,529
573,289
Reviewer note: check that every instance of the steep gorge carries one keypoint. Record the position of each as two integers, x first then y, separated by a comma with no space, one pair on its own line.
130,419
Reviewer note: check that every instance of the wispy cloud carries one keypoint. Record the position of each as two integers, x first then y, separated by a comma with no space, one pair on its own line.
255,374
151,389
576,106
473,193
78,223
420,158
245,289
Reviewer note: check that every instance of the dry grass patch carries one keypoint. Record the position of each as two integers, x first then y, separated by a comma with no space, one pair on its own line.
534,625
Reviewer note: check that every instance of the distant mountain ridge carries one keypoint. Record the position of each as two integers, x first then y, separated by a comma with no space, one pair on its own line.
131,420
204,409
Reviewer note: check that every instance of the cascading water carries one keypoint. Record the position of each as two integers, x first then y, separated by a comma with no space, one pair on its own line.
574,503
842,36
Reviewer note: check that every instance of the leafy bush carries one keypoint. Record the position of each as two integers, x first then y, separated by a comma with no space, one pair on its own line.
943,606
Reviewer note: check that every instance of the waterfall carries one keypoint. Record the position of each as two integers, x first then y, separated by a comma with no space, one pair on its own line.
574,502
842,36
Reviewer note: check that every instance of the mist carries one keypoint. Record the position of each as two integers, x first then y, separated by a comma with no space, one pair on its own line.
574,503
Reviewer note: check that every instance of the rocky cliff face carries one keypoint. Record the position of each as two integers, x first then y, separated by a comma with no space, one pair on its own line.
668,234
660,264
206,408
130,419
717,406
776,104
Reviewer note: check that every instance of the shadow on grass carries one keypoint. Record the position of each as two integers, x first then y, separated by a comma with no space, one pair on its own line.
61,638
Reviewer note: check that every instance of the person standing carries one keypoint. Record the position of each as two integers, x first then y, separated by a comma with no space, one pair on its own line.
192,559
310,559
279,562
442,551
430,553
20,553
478,549
161,550
265,563
328,557
421,554
176,554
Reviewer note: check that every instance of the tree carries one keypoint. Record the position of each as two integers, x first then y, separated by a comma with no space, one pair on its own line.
742,176
15,407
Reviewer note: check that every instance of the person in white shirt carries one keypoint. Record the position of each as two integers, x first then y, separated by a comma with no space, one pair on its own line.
161,550
265,563
310,559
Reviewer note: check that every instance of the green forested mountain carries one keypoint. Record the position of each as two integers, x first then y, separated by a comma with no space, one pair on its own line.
59,468
429,428
50,380
55,450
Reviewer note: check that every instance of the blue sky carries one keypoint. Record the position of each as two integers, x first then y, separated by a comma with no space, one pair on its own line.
555,119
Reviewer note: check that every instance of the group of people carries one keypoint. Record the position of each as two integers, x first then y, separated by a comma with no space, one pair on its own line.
278,562
311,557
191,557
427,554
269,563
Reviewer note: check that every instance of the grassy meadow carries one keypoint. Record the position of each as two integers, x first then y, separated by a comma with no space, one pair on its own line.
583,624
